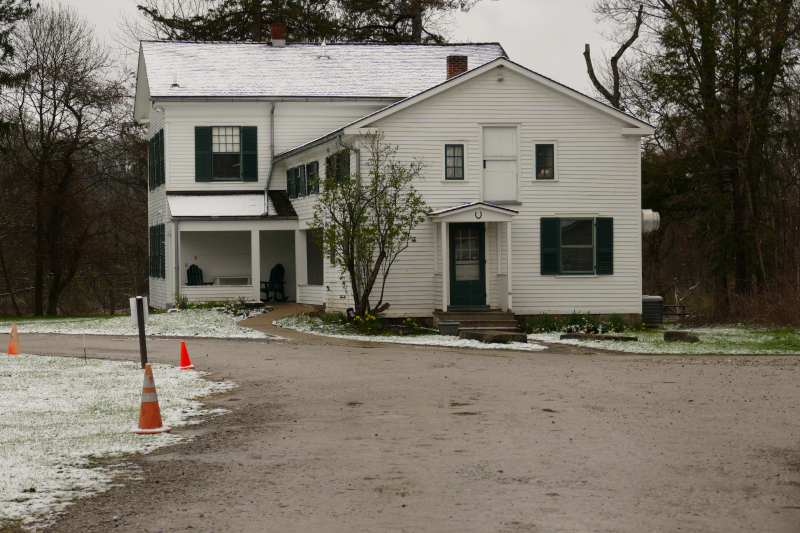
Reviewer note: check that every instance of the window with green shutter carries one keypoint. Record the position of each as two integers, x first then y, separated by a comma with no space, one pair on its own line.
312,177
575,246
337,166
226,153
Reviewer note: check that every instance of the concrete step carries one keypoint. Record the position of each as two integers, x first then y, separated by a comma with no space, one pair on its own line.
486,323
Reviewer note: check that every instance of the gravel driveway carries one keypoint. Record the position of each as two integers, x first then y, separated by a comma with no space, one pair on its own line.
339,438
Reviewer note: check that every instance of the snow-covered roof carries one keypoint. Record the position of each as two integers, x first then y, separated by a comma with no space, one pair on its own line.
219,205
222,69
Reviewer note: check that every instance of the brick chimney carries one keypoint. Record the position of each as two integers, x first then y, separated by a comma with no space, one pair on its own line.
456,65
277,34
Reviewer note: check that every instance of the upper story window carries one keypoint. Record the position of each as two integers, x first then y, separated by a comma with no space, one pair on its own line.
337,166
454,161
545,162
226,153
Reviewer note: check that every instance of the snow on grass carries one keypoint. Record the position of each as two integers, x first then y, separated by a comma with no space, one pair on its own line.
307,324
185,323
59,413
729,340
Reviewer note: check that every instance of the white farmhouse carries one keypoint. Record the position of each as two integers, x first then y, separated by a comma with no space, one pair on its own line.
534,188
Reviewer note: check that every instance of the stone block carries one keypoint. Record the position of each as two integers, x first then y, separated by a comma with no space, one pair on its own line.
488,335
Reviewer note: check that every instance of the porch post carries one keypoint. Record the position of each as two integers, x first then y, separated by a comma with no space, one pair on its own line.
300,259
445,267
508,265
255,263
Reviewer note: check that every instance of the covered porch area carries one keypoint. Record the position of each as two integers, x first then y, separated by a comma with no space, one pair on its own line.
473,267
227,245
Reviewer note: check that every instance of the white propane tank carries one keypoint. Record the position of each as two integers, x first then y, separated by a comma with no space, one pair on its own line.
651,220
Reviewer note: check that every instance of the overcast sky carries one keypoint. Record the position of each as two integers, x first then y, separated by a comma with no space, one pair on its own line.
546,36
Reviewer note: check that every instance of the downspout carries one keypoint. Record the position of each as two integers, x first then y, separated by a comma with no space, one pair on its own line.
271,155
352,149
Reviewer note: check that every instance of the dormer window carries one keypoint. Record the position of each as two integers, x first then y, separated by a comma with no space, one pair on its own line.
226,153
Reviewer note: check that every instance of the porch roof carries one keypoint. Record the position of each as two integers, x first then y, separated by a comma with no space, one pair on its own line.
249,205
473,212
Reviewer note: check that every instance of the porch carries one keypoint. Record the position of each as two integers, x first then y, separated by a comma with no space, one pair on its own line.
466,278
233,262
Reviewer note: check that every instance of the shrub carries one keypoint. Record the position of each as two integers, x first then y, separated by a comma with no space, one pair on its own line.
615,323
410,324
543,323
181,301
369,323
334,319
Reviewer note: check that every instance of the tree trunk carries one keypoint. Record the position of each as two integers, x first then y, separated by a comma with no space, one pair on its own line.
8,283
416,21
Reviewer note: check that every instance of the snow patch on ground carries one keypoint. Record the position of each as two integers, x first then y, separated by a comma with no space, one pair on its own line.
307,324
713,341
59,413
183,323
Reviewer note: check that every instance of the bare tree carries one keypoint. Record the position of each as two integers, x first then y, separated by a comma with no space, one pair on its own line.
64,111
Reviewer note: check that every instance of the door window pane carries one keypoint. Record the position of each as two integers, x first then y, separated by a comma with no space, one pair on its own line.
467,255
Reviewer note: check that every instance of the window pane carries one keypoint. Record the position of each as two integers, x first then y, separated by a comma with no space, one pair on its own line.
576,232
226,166
545,161
577,260
225,139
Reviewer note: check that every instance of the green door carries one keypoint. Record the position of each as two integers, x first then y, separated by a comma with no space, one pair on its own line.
467,265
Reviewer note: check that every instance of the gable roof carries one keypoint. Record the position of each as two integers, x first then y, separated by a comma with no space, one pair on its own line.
225,69
636,126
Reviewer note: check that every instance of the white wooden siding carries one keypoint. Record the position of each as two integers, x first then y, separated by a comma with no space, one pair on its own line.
160,293
295,123
598,176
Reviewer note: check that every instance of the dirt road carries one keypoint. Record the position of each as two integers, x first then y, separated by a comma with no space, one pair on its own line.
394,438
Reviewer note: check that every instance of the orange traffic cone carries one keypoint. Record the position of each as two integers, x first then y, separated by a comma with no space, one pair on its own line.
186,364
13,344
149,413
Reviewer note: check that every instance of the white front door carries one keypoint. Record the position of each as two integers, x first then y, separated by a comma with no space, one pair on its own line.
499,164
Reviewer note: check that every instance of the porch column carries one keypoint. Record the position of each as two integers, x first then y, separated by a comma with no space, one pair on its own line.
445,267
255,263
508,265
300,260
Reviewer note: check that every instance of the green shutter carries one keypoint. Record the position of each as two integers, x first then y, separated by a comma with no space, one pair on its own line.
549,245
604,235
162,167
152,255
203,164
345,155
163,248
249,153
150,164
302,182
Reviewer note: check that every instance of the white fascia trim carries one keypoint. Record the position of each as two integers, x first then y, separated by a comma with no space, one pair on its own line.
514,67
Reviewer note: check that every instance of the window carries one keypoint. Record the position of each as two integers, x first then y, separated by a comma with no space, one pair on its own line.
314,262
312,177
302,180
572,246
226,153
337,166
545,161
577,246
454,161
155,160
158,251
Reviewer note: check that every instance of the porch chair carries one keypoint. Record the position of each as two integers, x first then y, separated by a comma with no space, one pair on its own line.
194,276
274,285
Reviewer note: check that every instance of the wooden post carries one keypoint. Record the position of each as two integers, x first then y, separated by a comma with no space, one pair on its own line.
140,322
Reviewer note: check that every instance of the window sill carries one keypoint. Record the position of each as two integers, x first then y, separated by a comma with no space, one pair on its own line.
568,276
445,180
544,180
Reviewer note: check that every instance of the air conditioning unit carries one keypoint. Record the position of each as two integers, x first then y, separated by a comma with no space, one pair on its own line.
652,311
